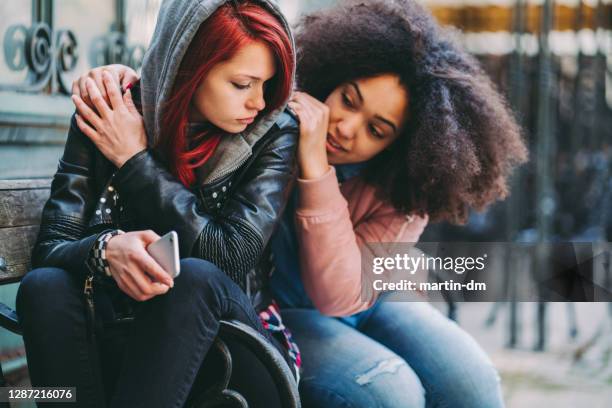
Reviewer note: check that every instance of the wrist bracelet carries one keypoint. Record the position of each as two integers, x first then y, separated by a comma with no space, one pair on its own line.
102,243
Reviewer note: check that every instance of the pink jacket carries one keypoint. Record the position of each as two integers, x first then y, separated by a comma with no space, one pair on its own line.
333,224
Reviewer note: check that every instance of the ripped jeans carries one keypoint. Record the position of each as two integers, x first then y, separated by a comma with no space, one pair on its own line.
393,355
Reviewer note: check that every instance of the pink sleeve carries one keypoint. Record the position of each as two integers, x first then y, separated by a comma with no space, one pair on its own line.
330,255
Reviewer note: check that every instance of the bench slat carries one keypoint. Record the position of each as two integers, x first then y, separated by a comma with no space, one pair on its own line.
22,207
16,244
25,184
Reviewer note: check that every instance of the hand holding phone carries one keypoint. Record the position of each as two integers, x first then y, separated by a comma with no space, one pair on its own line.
165,251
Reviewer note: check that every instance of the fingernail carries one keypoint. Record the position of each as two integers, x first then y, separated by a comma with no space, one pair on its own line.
129,86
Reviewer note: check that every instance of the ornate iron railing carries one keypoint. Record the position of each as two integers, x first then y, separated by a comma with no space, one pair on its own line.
48,54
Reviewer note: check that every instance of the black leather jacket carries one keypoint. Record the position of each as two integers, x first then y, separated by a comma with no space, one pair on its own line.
228,222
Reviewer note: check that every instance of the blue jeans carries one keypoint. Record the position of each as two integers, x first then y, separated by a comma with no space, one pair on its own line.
150,362
393,355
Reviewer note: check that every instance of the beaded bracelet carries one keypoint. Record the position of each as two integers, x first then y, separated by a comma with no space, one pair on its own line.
100,251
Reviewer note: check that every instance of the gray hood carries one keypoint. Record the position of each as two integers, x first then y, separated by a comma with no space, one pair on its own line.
177,23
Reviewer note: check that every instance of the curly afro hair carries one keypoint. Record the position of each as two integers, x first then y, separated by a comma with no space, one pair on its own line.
461,141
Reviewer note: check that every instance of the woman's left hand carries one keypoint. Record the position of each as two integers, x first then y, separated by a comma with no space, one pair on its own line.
117,130
314,123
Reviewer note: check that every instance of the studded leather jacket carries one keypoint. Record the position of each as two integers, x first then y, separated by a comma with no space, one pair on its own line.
227,220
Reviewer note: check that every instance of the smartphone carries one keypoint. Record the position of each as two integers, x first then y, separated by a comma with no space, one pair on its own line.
165,251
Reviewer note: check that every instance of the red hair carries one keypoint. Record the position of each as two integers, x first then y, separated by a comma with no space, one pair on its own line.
229,28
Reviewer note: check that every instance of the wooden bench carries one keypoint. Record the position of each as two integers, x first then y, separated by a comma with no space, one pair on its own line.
21,203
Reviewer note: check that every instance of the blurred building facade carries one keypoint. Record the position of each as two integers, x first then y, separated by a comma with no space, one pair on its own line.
553,61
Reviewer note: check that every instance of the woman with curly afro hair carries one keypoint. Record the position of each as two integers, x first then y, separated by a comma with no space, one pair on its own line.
398,126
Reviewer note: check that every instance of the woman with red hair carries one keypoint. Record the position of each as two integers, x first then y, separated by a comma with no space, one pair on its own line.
202,146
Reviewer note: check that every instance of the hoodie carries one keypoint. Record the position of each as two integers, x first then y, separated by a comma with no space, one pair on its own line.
177,23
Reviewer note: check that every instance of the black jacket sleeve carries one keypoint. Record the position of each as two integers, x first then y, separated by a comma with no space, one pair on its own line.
232,238
61,240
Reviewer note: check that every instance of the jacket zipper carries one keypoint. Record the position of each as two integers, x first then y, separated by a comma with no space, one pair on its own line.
91,315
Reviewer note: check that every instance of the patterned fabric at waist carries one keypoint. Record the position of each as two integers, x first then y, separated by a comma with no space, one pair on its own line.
273,322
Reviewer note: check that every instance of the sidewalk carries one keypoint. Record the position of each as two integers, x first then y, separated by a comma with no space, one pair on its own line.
569,373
